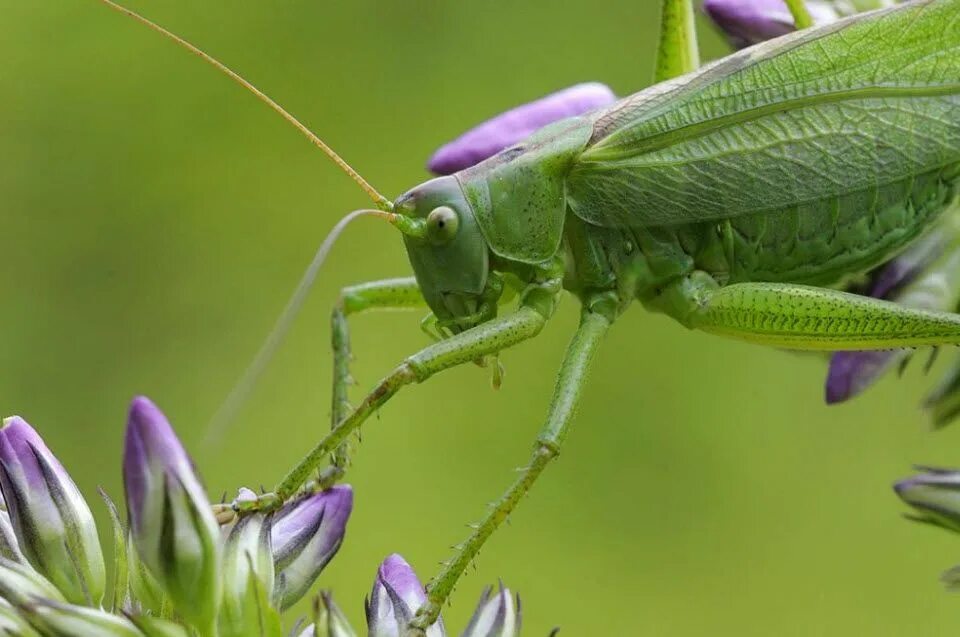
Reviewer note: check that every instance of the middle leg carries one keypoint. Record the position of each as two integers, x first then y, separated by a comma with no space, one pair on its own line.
573,372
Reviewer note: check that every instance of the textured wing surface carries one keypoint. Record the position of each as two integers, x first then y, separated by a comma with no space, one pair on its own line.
838,113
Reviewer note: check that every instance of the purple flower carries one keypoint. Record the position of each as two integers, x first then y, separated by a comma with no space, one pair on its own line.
496,615
171,520
747,22
306,534
935,495
52,522
396,596
510,127
851,373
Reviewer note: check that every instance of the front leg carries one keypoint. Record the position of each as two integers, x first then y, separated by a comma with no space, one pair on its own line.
387,294
536,306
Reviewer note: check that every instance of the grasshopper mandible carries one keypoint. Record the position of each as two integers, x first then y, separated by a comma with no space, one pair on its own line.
736,199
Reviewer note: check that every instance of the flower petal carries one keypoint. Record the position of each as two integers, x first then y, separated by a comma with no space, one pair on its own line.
512,126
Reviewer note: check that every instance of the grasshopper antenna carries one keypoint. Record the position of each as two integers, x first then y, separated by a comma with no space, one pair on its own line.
280,329
381,202
228,409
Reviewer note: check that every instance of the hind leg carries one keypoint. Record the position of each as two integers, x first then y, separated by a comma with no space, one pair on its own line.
802,317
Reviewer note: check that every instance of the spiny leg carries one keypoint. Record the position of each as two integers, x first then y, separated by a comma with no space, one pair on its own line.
573,372
803,317
536,306
678,52
386,294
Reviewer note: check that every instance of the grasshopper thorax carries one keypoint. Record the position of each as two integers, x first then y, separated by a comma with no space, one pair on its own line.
450,258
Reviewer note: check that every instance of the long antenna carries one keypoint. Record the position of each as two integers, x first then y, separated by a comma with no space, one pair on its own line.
379,200
228,408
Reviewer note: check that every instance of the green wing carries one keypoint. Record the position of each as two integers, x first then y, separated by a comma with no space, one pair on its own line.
843,113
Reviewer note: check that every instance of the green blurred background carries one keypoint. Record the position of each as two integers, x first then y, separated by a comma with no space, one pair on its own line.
155,218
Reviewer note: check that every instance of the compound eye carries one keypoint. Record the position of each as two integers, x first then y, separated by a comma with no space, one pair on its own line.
442,224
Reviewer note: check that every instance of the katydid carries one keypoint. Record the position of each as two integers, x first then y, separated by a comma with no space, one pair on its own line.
738,199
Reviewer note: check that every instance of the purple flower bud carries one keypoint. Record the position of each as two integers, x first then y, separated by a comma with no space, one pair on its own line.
306,534
52,522
747,22
496,615
248,578
171,520
935,495
510,127
850,373
396,596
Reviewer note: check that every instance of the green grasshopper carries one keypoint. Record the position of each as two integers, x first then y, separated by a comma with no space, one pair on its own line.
737,199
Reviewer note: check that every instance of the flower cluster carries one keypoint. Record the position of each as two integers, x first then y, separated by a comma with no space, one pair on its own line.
182,567
176,571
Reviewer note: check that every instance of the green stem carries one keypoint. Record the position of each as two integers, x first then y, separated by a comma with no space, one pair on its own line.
801,17
677,53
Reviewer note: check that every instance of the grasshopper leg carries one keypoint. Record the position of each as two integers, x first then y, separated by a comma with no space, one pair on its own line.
536,306
386,294
677,52
803,317
595,321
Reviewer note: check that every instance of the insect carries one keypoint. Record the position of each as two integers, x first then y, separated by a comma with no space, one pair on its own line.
737,199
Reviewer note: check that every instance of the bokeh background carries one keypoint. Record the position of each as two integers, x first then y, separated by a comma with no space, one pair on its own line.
154,218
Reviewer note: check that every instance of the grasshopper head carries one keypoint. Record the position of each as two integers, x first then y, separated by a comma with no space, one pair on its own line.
450,256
